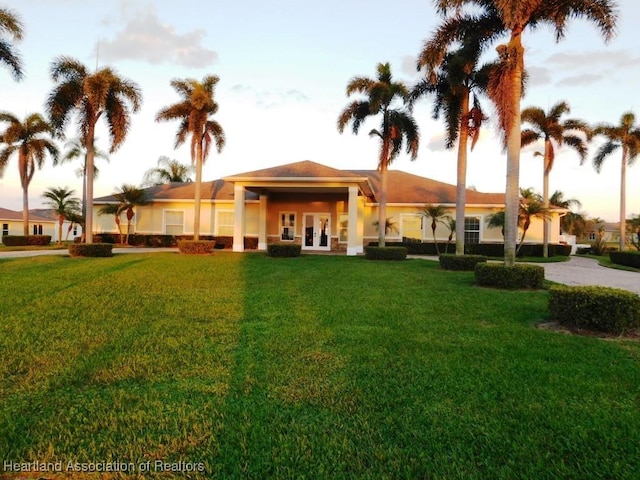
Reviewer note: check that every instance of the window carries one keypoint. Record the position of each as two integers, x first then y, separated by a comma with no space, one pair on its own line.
37,229
343,228
471,229
173,222
287,226
224,223
411,227
5,229
75,230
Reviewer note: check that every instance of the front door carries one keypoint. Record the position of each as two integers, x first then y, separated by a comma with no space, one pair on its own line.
317,231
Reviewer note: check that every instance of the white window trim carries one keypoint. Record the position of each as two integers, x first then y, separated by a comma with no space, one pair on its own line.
216,230
281,227
480,225
164,220
339,227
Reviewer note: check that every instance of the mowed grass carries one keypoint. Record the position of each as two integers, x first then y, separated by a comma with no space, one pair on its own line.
311,367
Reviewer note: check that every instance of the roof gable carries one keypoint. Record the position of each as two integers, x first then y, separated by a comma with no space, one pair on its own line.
297,170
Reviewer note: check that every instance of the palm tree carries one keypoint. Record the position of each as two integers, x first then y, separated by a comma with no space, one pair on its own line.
31,139
63,203
451,225
437,214
496,220
531,206
568,222
129,197
10,25
555,133
194,112
454,82
76,150
167,171
493,19
397,126
114,209
74,218
92,96
626,136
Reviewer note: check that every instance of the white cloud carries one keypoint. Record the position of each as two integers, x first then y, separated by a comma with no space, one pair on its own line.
145,37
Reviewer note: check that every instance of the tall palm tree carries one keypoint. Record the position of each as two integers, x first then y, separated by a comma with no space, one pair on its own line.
625,136
455,84
496,220
397,125
194,112
555,133
91,96
63,203
31,140
75,149
492,20
437,214
10,25
114,209
168,171
573,222
130,197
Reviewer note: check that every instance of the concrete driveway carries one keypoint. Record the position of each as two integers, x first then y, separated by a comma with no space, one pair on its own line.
586,271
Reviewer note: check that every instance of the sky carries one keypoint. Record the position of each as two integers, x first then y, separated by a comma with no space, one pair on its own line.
283,67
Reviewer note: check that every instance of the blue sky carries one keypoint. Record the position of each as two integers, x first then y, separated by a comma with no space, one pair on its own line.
283,67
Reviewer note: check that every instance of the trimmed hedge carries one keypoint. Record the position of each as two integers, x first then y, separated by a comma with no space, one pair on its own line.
91,250
284,250
461,262
528,250
23,241
385,253
497,275
599,308
196,247
629,259
418,248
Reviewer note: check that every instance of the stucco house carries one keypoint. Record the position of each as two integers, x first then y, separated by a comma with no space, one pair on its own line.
319,207
12,224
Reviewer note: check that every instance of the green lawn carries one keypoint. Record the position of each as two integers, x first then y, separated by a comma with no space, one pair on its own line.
312,367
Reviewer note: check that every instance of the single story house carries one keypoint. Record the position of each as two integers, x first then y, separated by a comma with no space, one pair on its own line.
12,224
319,207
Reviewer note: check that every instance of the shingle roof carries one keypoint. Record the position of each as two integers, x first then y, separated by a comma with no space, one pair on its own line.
304,169
6,214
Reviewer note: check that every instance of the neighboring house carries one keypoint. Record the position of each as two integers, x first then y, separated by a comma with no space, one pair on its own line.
69,230
319,207
11,223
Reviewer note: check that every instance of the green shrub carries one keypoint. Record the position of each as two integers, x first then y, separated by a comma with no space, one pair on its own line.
461,262
196,247
91,249
519,276
417,248
630,259
527,250
598,308
284,249
385,253
24,240
107,238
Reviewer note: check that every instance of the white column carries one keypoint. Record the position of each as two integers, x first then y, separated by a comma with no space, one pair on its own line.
262,223
238,219
352,230
361,206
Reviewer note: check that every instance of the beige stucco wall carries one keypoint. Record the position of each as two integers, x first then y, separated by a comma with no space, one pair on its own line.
15,227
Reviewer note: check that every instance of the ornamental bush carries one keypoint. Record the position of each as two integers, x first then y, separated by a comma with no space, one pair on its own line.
629,259
385,253
284,249
599,308
196,247
91,249
461,262
519,276
24,240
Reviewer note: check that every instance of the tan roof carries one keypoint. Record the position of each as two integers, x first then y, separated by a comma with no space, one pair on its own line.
402,187
6,214
297,170
408,188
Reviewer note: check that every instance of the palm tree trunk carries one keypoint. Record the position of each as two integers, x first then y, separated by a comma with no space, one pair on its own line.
461,186
545,197
623,198
84,199
382,206
25,210
60,222
512,196
88,215
197,193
